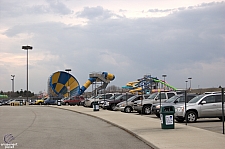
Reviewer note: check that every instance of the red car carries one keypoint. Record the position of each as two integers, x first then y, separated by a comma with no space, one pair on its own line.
75,100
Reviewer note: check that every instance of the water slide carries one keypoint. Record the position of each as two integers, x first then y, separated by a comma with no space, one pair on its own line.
164,83
61,83
135,85
105,77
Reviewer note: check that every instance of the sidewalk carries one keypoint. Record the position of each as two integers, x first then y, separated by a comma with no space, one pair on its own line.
149,130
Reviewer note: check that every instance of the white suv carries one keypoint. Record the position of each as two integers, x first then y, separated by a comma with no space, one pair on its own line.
145,106
201,106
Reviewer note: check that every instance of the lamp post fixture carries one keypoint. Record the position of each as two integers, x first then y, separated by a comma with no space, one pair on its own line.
68,86
27,48
190,82
13,83
186,84
164,76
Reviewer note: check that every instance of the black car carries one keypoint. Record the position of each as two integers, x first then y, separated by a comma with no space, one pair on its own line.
171,101
110,104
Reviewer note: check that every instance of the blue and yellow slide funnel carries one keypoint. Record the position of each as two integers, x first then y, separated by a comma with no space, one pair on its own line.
60,83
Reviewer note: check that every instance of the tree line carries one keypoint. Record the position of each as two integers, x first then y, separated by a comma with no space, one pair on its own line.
20,93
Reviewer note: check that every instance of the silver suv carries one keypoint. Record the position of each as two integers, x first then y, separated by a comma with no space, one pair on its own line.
177,99
201,106
144,106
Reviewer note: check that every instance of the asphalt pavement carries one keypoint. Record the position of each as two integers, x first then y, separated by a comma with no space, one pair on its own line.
150,130
43,127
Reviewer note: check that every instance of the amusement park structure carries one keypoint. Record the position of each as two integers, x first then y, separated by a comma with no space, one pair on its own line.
64,84
98,80
148,84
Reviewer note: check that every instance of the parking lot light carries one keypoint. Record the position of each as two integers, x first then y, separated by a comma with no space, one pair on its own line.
27,48
190,83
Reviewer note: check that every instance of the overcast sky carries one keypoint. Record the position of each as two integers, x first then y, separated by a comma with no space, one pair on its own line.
127,38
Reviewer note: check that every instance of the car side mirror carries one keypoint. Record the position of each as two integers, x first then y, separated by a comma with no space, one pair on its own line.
203,102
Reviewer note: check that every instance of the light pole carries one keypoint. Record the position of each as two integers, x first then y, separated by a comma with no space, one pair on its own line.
27,48
186,84
68,86
190,82
164,76
13,83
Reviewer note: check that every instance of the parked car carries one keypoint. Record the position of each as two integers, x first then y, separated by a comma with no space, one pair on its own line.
4,101
52,100
40,101
171,101
127,106
7,102
202,106
65,98
18,102
75,100
111,104
144,106
90,101
102,101
32,101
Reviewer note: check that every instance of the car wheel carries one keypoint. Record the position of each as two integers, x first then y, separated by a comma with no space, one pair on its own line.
78,104
113,107
191,116
92,105
179,120
127,110
147,110
67,103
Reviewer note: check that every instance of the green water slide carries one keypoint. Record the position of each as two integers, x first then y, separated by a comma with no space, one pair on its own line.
156,80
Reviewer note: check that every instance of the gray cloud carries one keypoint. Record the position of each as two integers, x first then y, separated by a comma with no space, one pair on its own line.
14,9
58,7
181,44
95,13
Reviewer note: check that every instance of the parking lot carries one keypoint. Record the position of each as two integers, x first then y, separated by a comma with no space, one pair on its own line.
211,124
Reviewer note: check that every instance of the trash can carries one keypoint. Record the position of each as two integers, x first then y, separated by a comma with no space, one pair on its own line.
167,117
95,106
59,102
21,103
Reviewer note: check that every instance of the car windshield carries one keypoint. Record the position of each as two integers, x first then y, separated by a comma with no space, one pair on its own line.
98,96
172,99
131,98
114,96
118,97
152,96
196,99
181,99
64,98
